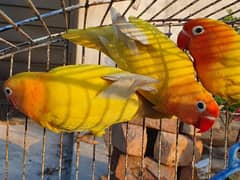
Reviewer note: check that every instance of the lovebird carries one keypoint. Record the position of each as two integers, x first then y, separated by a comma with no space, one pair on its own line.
139,47
74,98
215,48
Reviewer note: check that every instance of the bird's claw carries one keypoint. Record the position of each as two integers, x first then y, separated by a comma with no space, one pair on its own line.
87,138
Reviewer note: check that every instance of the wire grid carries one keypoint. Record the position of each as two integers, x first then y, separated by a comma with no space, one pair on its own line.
11,49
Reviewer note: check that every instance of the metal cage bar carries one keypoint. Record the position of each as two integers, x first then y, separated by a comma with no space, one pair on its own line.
77,160
160,145
129,6
210,154
176,152
203,8
16,27
39,17
126,157
63,5
24,150
163,9
193,154
101,23
24,174
222,8
142,152
8,43
6,165
182,9
39,42
109,153
93,159
60,156
146,9
52,39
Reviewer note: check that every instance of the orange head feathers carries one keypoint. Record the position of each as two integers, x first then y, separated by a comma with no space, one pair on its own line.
215,48
206,121
206,38
26,95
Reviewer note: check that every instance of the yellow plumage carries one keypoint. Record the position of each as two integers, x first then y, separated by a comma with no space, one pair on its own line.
216,54
78,97
139,47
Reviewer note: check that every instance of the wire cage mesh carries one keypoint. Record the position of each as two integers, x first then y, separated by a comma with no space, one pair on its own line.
30,40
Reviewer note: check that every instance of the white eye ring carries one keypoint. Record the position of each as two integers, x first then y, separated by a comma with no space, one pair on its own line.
8,91
201,106
197,30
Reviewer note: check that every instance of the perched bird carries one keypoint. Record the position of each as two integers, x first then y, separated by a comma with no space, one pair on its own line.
139,47
78,97
215,48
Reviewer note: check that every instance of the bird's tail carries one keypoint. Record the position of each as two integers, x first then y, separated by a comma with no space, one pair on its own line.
87,37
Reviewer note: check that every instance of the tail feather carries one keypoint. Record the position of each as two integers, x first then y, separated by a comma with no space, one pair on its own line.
86,37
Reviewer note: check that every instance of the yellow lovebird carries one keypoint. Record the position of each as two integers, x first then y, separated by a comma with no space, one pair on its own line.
78,97
215,48
139,47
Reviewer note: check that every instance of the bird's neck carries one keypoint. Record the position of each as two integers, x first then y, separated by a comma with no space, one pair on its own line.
35,98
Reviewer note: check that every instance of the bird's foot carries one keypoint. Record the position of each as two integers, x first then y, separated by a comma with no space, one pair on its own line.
87,138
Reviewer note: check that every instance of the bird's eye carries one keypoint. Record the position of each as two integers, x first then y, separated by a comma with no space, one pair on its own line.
8,91
197,30
201,106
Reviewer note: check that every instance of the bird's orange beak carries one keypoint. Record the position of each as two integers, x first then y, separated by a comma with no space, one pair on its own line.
183,40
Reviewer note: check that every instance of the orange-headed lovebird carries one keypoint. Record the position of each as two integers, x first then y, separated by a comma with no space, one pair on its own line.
215,48
78,97
139,47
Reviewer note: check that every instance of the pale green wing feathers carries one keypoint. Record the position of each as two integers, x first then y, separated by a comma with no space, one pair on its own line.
127,29
125,84
113,52
121,31
89,37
